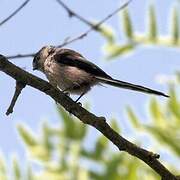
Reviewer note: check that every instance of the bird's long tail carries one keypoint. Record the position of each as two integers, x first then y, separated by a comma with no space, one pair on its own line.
126,85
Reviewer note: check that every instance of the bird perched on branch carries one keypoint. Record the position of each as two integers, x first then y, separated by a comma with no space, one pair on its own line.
74,74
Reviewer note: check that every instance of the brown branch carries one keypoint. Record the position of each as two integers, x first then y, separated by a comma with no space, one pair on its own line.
72,13
18,89
14,13
86,117
81,36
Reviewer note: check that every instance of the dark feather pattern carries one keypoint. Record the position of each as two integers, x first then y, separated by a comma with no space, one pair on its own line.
126,85
71,58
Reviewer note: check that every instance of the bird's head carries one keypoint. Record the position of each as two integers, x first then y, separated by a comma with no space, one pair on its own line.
41,56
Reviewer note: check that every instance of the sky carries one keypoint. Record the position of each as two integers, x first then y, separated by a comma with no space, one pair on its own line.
46,23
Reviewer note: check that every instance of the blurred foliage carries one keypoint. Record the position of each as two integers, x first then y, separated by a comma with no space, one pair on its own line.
62,152
165,123
133,39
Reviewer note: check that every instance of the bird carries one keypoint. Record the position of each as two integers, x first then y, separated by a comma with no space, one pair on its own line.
72,73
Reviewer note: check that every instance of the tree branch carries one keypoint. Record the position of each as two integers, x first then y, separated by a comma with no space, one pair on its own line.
14,13
95,26
86,117
20,56
18,89
81,36
72,13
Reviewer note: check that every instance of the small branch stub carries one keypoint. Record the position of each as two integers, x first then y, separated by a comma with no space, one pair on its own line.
18,89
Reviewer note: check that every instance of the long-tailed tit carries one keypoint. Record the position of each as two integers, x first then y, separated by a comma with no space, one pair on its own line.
72,73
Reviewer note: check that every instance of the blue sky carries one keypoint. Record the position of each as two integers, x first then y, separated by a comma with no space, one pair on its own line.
46,23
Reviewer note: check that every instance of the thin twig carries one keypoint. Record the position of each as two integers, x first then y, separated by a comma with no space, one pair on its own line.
86,117
14,13
81,36
20,56
18,89
72,13
96,26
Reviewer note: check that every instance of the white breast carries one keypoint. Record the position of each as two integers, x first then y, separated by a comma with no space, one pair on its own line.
66,77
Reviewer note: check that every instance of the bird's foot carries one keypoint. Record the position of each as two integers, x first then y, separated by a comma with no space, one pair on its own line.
79,103
67,93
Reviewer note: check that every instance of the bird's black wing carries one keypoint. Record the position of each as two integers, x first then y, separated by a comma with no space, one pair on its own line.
71,58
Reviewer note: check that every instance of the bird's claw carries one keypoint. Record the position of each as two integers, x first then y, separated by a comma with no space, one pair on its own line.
79,103
67,93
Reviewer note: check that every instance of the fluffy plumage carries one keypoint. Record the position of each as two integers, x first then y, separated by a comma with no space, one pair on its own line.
72,73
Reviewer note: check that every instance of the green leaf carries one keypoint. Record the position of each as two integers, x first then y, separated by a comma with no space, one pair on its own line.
16,169
127,24
166,137
156,113
46,136
100,147
107,32
83,174
173,103
80,130
178,76
68,122
152,24
3,169
29,173
155,109
132,167
52,175
27,136
95,175
111,171
133,117
175,26
115,125
73,129
114,50
35,148
39,152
